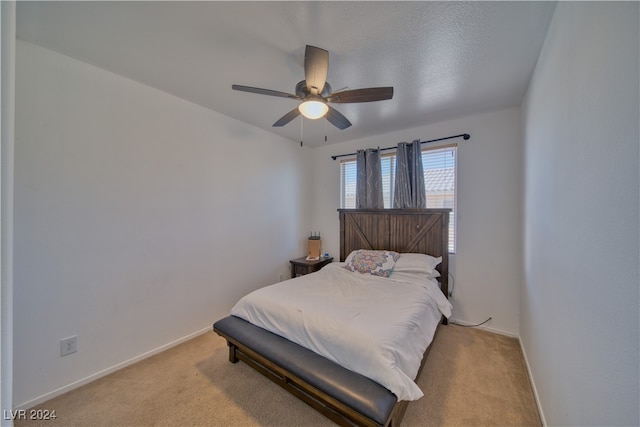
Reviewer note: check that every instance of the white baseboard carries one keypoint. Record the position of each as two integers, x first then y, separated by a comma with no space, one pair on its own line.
483,327
533,384
50,395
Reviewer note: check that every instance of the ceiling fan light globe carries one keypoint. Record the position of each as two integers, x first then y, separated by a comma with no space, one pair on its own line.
313,109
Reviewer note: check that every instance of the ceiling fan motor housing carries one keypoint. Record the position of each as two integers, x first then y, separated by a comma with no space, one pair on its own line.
302,91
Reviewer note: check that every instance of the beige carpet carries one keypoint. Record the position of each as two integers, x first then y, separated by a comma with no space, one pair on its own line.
471,378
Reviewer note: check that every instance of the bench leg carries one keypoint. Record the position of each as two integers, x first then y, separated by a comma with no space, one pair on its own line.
232,353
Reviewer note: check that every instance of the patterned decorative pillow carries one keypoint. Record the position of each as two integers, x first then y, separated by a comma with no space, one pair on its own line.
378,263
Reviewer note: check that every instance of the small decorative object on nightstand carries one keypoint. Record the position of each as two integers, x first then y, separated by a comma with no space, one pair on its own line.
301,266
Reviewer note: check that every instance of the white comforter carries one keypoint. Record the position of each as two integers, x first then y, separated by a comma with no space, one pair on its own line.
378,327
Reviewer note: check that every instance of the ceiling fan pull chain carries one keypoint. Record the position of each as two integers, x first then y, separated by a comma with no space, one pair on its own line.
301,120
325,131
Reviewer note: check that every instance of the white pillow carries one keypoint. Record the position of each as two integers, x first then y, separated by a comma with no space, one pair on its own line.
378,263
417,263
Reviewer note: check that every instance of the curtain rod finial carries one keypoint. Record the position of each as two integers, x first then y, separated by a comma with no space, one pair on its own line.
466,136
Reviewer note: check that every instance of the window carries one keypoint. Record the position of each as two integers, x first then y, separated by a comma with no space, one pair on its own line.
439,182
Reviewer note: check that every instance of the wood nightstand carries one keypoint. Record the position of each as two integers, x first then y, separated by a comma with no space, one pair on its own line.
300,266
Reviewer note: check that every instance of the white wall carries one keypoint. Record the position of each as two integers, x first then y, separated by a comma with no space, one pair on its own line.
7,131
579,304
136,224
487,266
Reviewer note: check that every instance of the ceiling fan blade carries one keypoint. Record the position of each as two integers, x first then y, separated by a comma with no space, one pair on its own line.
287,117
264,91
337,119
316,65
362,95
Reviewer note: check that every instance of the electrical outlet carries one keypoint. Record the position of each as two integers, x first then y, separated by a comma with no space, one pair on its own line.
68,345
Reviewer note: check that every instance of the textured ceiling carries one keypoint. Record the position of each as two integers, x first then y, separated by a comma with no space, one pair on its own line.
444,59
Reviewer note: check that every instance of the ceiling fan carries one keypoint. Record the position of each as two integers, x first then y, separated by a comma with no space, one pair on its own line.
315,92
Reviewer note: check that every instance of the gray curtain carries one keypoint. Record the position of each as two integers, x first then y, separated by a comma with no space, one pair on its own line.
409,189
368,179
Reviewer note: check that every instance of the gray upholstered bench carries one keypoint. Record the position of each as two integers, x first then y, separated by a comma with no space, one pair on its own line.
343,395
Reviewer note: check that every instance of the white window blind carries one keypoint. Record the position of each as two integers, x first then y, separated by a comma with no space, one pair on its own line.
439,181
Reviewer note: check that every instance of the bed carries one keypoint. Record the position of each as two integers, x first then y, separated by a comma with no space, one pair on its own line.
349,395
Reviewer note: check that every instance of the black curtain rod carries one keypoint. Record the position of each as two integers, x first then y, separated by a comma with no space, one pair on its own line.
465,136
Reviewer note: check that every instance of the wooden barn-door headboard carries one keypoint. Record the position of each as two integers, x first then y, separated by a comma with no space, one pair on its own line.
423,231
